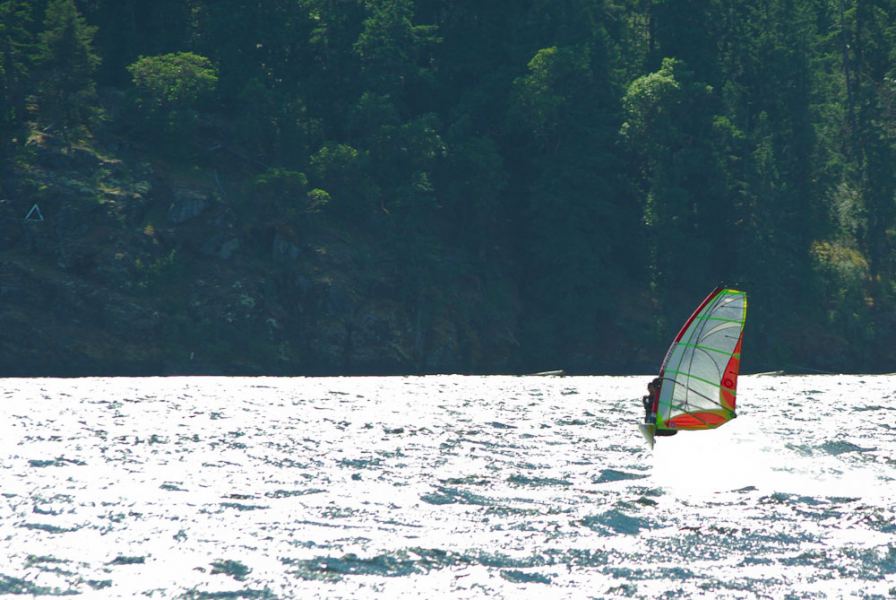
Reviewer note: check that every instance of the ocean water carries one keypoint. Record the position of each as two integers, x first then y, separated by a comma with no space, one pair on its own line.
461,487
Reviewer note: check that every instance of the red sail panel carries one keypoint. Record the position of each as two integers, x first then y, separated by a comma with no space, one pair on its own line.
728,391
697,420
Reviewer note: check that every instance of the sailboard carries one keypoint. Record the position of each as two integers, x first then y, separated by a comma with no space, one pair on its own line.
698,375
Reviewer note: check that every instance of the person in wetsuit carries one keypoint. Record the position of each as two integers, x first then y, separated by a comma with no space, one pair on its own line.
651,402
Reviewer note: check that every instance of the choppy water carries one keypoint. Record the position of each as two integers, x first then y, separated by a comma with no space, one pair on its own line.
442,486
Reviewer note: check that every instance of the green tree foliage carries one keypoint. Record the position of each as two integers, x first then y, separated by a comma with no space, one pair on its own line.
673,131
471,180
868,35
567,116
128,29
283,195
67,62
173,81
168,90
579,163
265,74
688,31
16,57
342,171
393,50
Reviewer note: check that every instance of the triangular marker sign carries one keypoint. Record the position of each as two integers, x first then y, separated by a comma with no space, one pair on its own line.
34,214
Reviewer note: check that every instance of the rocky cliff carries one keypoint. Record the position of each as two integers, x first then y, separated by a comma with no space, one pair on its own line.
139,266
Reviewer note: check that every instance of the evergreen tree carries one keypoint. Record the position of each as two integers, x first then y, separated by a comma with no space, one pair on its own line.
566,115
870,32
585,154
334,81
394,52
16,57
67,63
688,31
673,129
783,186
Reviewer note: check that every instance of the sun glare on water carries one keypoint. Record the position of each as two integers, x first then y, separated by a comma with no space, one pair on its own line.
766,450
465,487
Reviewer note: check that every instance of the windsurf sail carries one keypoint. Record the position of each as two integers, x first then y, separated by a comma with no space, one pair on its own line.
699,372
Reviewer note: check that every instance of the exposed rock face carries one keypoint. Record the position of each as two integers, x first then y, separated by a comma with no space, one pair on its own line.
444,354
221,246
187,204
10,225
135,272
381,340
284,249
228,248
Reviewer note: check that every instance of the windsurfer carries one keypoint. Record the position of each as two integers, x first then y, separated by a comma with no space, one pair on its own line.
651,402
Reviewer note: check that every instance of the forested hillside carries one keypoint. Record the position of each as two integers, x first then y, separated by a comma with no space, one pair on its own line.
408,186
